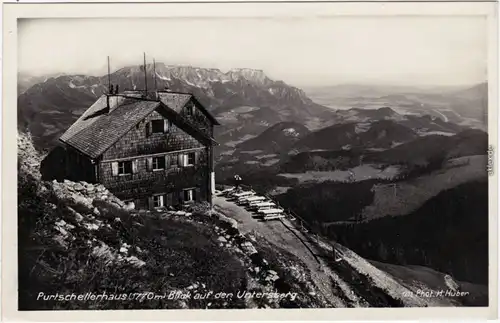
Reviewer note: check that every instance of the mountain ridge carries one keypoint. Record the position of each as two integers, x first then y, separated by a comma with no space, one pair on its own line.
47,108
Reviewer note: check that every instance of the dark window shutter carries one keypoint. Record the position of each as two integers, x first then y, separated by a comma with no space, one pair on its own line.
148,129
197,194
174,161
114,168
169,199
149,163
166,125
150,202
167,161
134,166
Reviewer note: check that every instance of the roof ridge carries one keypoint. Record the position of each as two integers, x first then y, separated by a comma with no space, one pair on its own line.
188,123
95,135
81,118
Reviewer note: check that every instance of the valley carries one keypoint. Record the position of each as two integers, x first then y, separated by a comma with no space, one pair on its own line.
372,173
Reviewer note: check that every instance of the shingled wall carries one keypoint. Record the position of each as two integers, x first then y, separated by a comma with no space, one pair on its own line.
139,145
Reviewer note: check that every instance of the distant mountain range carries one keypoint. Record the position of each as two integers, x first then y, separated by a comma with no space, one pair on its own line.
466,105
415,152
423,149
378,134
46,109
354,128
25,81
277,139
248,103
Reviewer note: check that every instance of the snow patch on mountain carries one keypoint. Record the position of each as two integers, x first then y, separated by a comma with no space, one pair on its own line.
248,74
441,133
165,78
73,86
362,127
291,132
203,77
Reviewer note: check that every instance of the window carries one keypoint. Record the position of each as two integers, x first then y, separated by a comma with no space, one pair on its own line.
174,162
158,201
157,126
125,167
188,159
191,159
158,163
190,109
188,195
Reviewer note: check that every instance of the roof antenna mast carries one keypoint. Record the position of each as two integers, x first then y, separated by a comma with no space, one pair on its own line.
154,71
109,79
145,77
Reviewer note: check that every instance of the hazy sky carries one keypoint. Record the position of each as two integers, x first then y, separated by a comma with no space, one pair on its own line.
408,50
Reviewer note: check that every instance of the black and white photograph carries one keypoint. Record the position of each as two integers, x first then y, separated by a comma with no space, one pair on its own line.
225,163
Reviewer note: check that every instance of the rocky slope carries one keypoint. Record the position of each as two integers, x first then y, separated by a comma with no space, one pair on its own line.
79,238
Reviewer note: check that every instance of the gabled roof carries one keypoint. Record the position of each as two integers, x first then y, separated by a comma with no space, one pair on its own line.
177,100
94,136
185,125
86,118
98,129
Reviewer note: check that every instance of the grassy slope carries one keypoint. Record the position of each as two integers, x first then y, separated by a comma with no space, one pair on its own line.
352,282
417,277
448,233
411,194
329,202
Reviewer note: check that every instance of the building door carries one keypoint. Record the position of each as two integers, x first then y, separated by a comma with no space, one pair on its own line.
169,199
189,195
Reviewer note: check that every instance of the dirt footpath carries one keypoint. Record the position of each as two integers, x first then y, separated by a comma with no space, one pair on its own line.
277,233
351,282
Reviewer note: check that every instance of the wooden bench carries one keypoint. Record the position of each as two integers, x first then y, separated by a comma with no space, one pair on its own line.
242,194
273,217
253,198
270,211
227,191
262,205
